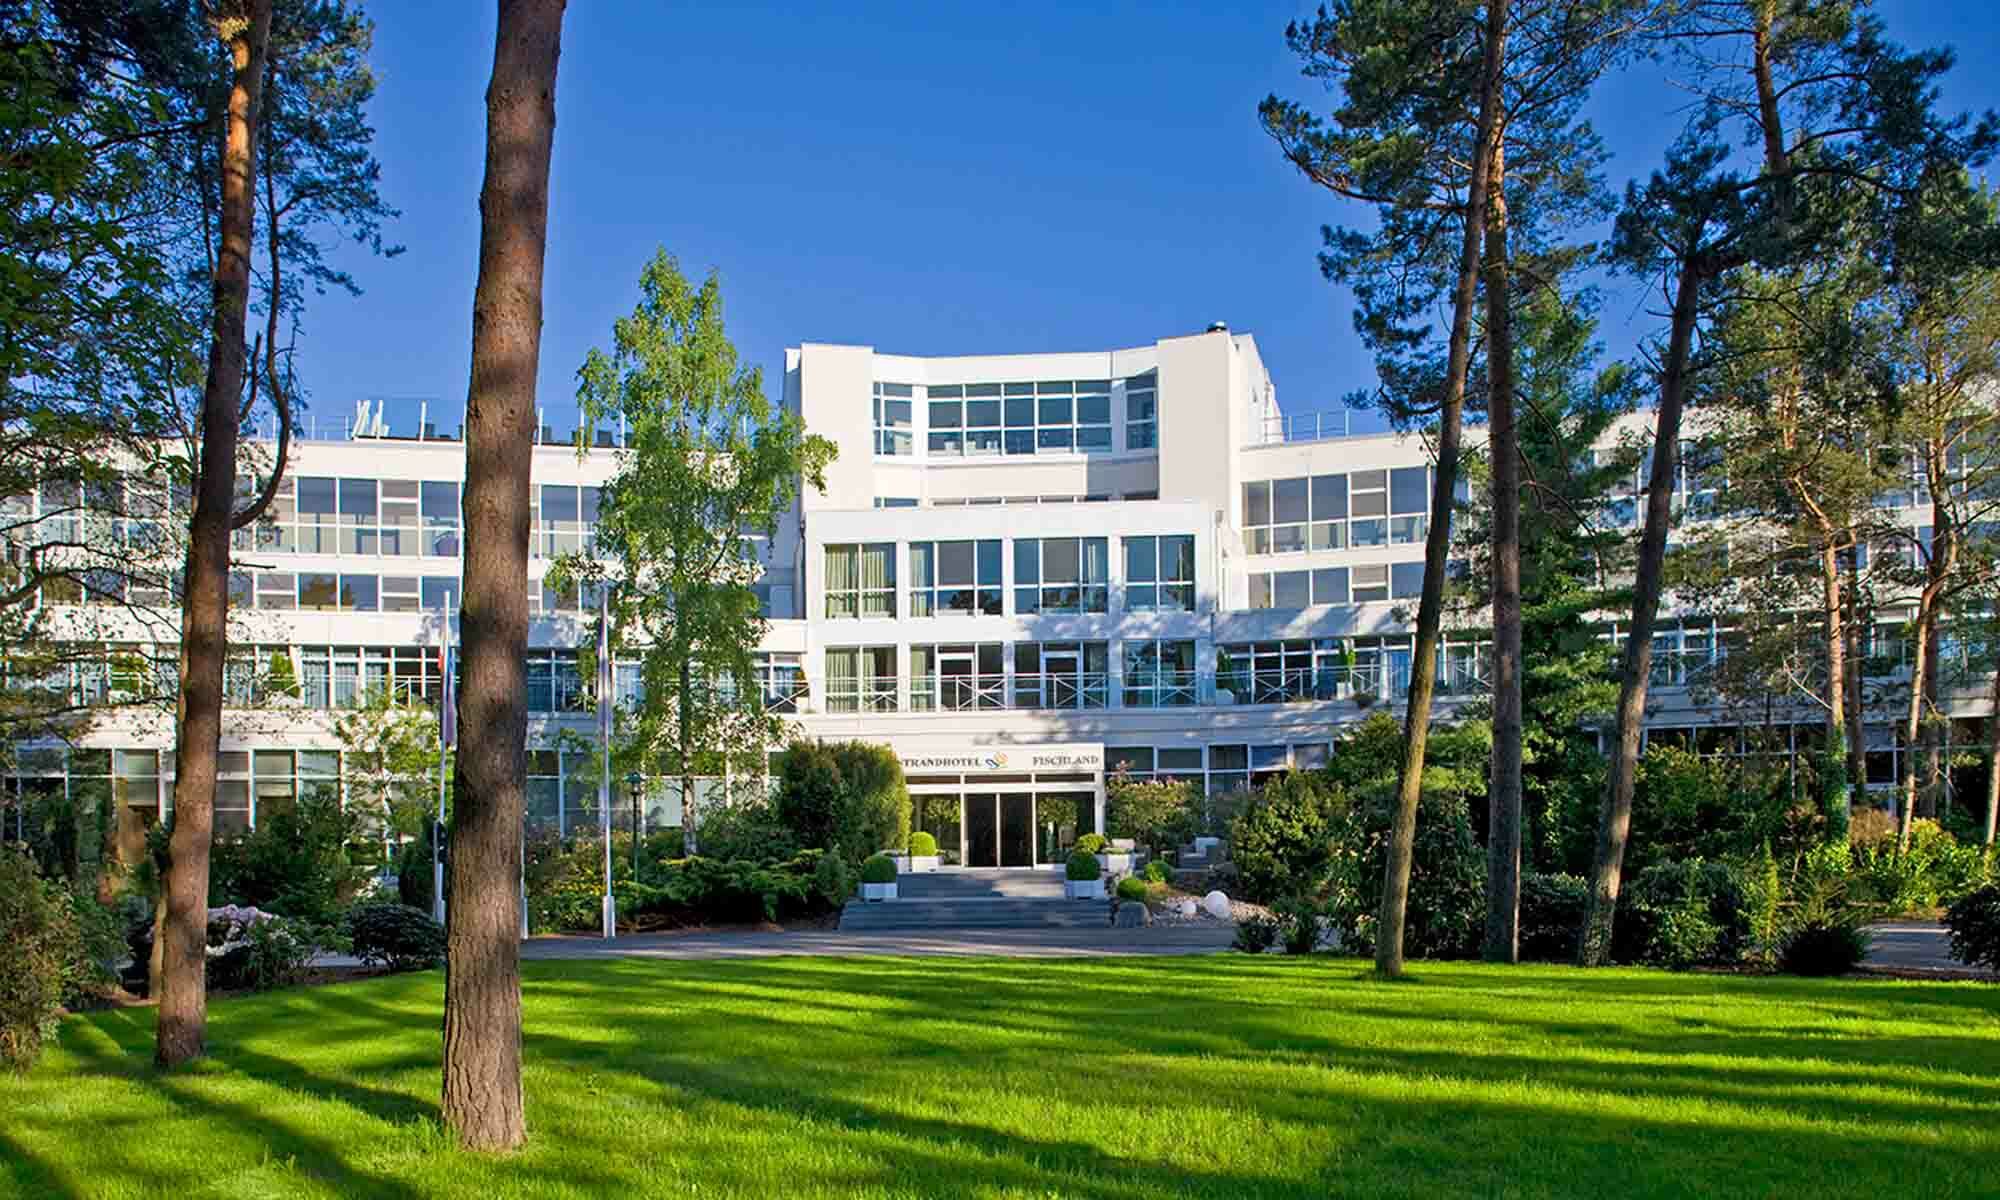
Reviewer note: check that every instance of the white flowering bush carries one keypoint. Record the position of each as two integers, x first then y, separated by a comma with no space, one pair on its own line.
253,950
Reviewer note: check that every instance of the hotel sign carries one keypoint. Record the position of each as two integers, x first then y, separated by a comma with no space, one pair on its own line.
977,760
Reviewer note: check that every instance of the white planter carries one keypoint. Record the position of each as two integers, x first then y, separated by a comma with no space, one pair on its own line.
902,862
1119,863
878,891
920,862
1083,889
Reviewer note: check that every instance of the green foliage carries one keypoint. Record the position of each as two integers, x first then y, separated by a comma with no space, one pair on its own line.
878,868
1158,872
922,845
1552,908
1289,836
1824,933
709,469
750,830
254,951
1688,805
413,873
832,879
280,677
878,799
1936,870
1132,888
1154,813
1256,935
850,794
389,758
297,862
1687,913
40,946
1082,865
1091,843
1299,926
1974,922
395,936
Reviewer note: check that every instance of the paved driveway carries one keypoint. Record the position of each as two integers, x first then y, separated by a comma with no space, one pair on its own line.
1916,946
1203,938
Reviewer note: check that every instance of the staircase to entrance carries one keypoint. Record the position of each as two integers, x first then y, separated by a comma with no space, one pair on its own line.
976,898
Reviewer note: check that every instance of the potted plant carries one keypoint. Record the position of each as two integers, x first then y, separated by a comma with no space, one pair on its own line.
923,852
878,878
1083,877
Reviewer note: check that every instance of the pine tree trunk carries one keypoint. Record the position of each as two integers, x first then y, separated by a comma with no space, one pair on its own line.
1993,766
1857,736
1929,796
1833,787
1437,543
1615,819
183,936
1503,838
482,1010
1913,721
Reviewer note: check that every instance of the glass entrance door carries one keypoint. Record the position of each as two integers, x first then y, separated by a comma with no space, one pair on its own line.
1017,829
982,830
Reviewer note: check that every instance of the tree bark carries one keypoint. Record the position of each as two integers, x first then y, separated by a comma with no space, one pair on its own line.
1615,820
1838,804
1993,766
482,1010
689,818
1503,839
1857,737
1939,565
183,936
1437,543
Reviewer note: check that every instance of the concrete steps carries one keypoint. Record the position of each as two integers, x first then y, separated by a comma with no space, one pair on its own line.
976,899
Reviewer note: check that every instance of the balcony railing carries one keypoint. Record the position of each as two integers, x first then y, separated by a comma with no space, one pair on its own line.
1062,690
957,693
1161,689
873,694
1303,427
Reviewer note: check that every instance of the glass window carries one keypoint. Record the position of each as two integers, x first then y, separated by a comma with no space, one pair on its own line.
1053,416
358,593
318,591
1159,674
1062,575
1329,585
1291,589
1370,582
861,580
1159,573
1368,493
1142,412
893,418
1408,490
955,577
861,679
1406,580
437,590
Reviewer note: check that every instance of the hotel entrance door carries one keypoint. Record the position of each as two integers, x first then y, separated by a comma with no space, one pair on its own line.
999,829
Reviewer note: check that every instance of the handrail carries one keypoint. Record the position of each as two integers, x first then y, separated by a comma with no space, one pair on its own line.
1318,426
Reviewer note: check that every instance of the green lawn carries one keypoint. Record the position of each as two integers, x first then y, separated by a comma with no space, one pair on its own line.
1221,1076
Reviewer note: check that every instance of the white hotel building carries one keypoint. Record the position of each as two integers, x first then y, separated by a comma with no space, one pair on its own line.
1024,571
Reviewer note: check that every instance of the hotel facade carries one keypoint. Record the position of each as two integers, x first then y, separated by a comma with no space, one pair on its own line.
1025,572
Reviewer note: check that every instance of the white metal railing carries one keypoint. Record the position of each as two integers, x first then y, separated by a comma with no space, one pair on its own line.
957,693
871,694
1320,426
1063,689
1161,688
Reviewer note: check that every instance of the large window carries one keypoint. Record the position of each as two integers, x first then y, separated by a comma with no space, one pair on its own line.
1050,417
1159,573
893,431
1061,674
568,515
861,580
1159,674
554,683
955,577
860,679
1332,512
1062,575
1142,411
953,678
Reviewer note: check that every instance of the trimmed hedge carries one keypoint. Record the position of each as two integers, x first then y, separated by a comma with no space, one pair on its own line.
879,868
922,845
1132,888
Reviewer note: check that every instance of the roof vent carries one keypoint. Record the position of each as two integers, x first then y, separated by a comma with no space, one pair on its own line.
1218,327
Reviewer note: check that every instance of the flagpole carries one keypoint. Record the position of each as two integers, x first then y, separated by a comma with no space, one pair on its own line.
604,677
445,721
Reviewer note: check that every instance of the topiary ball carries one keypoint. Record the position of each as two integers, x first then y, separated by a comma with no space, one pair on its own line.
922,845
1083,866
879,869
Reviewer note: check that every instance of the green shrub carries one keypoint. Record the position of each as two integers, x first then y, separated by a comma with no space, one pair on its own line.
295,863
1091,843
1935,870
253,950
1974,922
1159,872
877,815
413,873
1256,935
1694,806
398,937
1288,836
1299,926
832,879
750,830
1083,865
879,868
1154,813
1446,917
1679,914
1552,908
1822,947
1132,888
922,845
39,947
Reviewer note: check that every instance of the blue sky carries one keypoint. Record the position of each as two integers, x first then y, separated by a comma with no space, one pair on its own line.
941,179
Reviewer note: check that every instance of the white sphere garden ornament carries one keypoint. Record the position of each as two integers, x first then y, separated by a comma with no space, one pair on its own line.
1217,904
